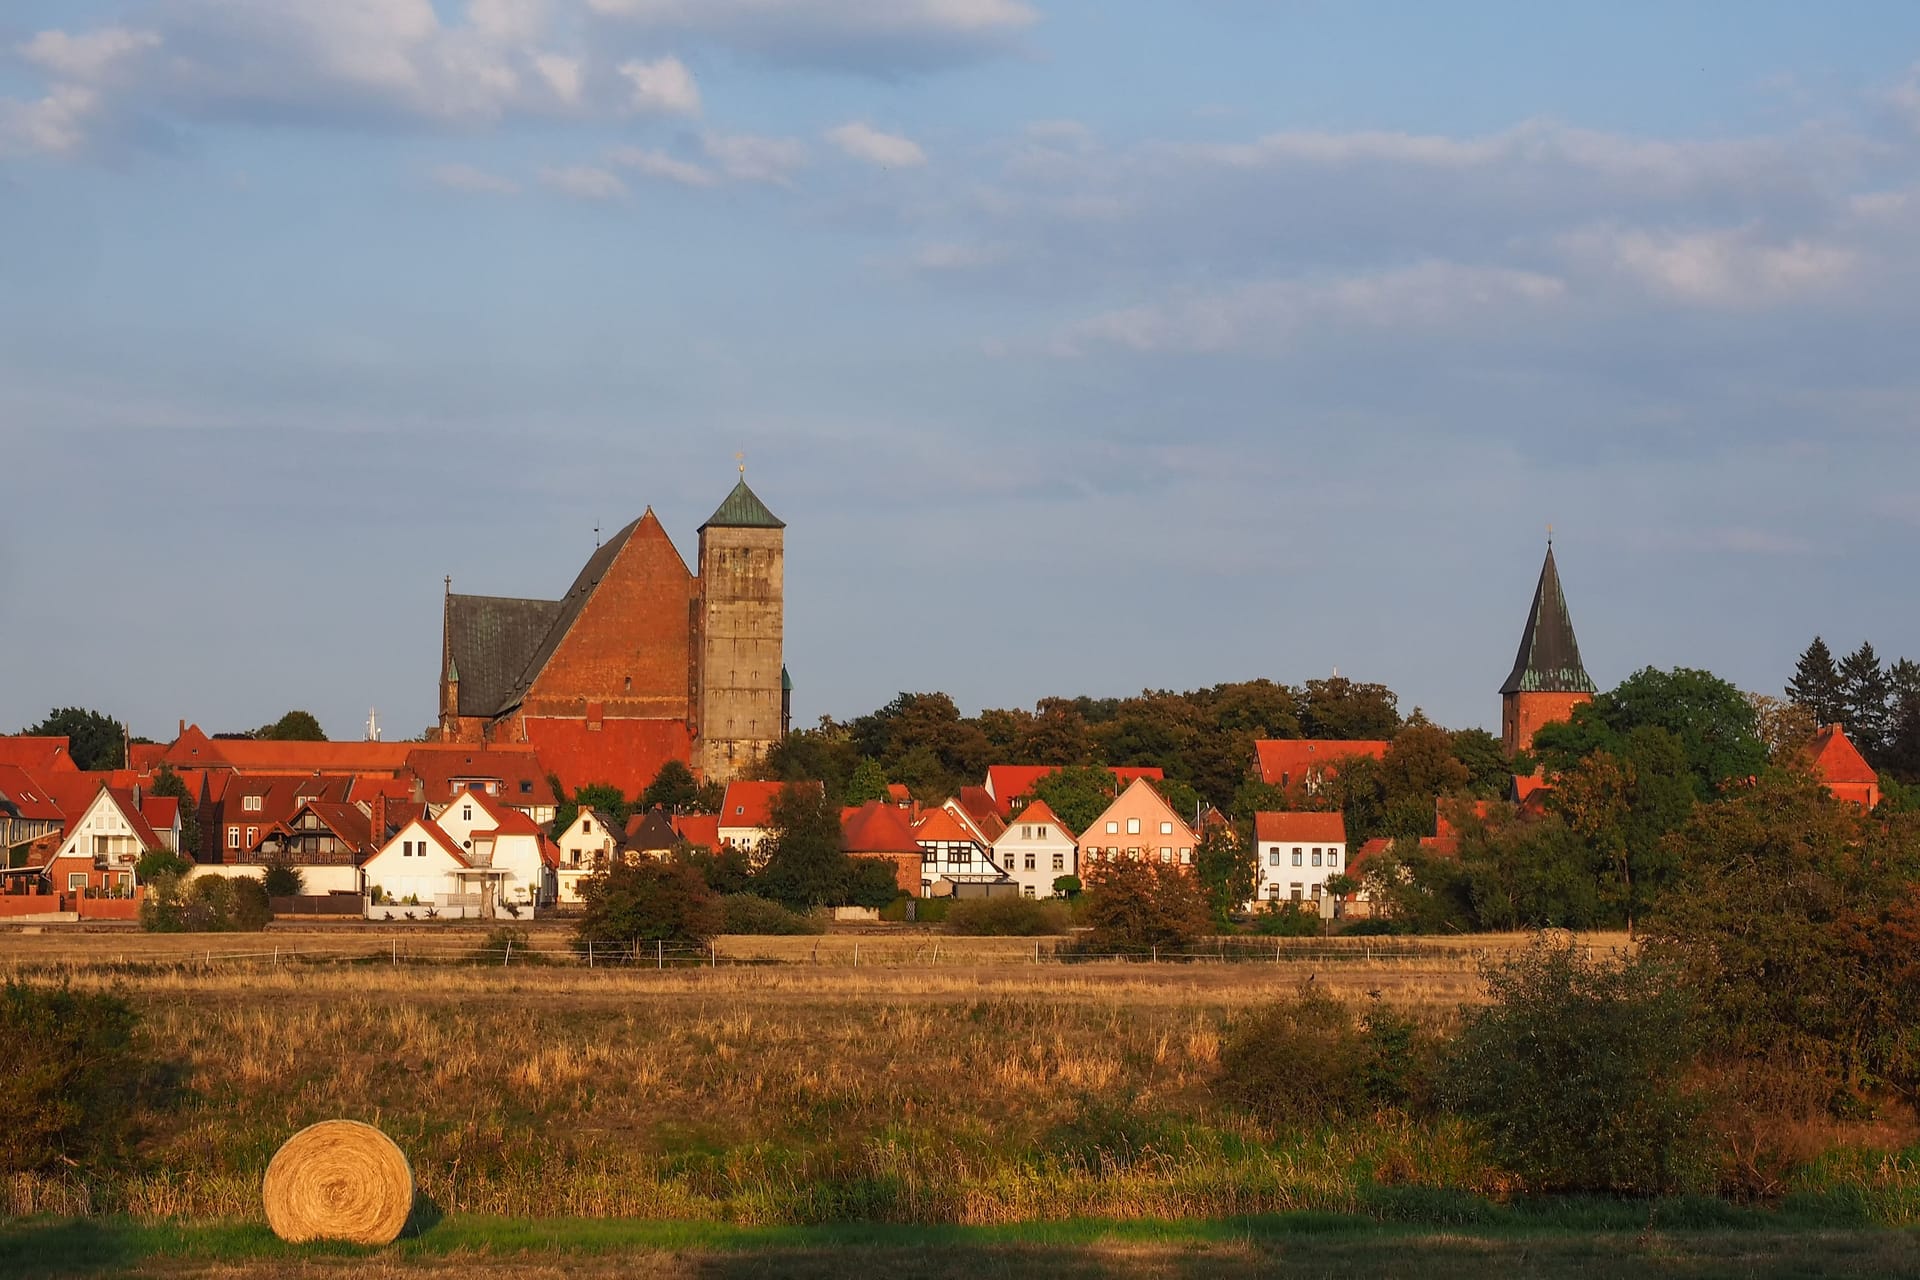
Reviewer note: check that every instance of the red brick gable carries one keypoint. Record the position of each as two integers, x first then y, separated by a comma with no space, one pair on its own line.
630,645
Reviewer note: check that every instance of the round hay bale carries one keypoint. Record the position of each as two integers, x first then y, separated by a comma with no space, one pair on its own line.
338,1180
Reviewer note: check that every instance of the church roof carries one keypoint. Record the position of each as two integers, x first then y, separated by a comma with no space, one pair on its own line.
567,610
489,640
743,510
1549,658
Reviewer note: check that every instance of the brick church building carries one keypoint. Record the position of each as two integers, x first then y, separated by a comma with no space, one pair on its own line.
640,657
1548,681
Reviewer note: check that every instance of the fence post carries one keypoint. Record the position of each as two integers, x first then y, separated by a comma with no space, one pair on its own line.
1156,953
589,953
507,955
713,954
856,955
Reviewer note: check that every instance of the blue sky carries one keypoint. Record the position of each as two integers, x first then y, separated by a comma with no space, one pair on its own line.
1085,347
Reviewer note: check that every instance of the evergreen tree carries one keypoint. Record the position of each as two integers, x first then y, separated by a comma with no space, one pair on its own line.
1816,684
673,789
1865,692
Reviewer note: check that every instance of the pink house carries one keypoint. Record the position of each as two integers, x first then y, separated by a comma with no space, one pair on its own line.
1138,825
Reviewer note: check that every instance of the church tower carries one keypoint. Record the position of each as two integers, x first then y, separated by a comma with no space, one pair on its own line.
1548,681
738,694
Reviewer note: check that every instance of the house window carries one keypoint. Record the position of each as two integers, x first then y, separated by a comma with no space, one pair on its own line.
1133,826
1026,891
1316,857
76,881
526,786
1296,857
1333,857
1316,892
251,804
1113,828
466,813
1273,856
251,833
1186,855
1026,833
1030,862
1059,862
1166,853
233,837
1273,891
1296,892
1166,828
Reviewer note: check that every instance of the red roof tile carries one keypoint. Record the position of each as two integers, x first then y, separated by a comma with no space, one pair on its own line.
1011,782
161,812
1290,826
877,827
750,804
941,826
623,753
520,772
1039,812
145,757
33,801
699,829
38,756
1834,759
1286,762
193,749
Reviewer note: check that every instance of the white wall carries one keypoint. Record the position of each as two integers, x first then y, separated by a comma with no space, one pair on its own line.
1278,874
1043,843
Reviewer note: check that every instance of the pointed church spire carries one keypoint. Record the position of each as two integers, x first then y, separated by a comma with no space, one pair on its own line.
1549,657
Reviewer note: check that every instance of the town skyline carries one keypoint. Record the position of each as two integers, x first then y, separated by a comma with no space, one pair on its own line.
1257,341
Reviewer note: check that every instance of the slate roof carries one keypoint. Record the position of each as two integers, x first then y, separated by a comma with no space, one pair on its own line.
650,832
489,642
743,510
1549,658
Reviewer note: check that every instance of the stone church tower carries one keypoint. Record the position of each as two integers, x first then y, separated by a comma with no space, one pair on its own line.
740,694
1548,681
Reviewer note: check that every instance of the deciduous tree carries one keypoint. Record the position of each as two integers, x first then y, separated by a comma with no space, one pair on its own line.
94,740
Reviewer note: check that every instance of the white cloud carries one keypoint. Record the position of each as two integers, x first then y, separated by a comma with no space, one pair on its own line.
54,125
658,164
1273,313
88,55
750,158
1724,268
867,35
584,182
466,177
943,256
663,87
565,76
864,142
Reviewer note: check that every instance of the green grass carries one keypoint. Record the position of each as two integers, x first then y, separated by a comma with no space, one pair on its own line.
1410,1236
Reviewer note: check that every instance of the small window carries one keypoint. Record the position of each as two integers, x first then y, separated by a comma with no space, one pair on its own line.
76,881
1059,862
466,813
1026,833
1166,853
252,833
1186,856
1296,892
1273,857
526,786
1316,857
1133,826
1166,828
233,837
1333,857
1298,858
1113,828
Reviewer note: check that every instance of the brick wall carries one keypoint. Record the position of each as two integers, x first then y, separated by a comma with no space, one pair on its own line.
630,648
742,588
1522,714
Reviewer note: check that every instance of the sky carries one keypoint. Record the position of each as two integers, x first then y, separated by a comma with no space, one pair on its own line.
1085,346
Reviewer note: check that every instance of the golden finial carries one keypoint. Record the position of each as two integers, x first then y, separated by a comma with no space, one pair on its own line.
741,458
1549,537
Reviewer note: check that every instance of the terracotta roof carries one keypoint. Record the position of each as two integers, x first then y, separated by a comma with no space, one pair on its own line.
1442,827
623,753
1549,657
194,749
978,802
145,757
899,794
1039,812
1286,762
742,509
365,788
161,812
1374,848
1441,846
750,804
519,771
877,827
1011,782
28,798
549,851
1834,759
347,821
38,756
1295,825
699,829
939,825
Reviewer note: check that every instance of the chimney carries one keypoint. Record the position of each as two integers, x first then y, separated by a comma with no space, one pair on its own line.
596,711
183,730
379,818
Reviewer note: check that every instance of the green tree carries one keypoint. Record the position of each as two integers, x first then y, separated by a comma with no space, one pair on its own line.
868,783
648,900
1180,797
1865,691
727,870
283,879
1078,795
674,789
168,783
870,882
1228,867
1711,719
94,740
1139,906
601,796
825,754
155,863
1419,768
1344,709
805,866
1484,759
1816,684
295,726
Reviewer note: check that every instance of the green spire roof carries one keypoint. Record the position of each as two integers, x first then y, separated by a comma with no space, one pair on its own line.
743,510
786,681
453,671
1549,658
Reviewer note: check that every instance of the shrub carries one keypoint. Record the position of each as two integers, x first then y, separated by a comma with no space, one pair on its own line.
1286,920
749,913
160,862
1575,1073
1309,1059
283,879
73,1064
205,904
1006,917
648,900
871,882
1137,906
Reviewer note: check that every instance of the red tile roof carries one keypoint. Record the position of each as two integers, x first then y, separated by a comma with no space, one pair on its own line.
978,802
347,821
1374,848
1286,762
38,756
877,827
623,753
1834,759
193,749
899,794
699,829
1011,782
161,812
1039,812
33,802
145,757
750,804
519,771
941,826
1324,827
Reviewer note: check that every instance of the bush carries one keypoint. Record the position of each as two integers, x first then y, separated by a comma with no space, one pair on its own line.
748,913
73,1064
648,901
283,879
1006,917
1575,1073
1286,920
1137,906
1308,1059
871,882
205,904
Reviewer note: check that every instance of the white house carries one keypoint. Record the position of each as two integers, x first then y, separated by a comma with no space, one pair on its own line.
746,815
953,852
491,834
102,845
422,869
1298,853
1036,849
587,845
